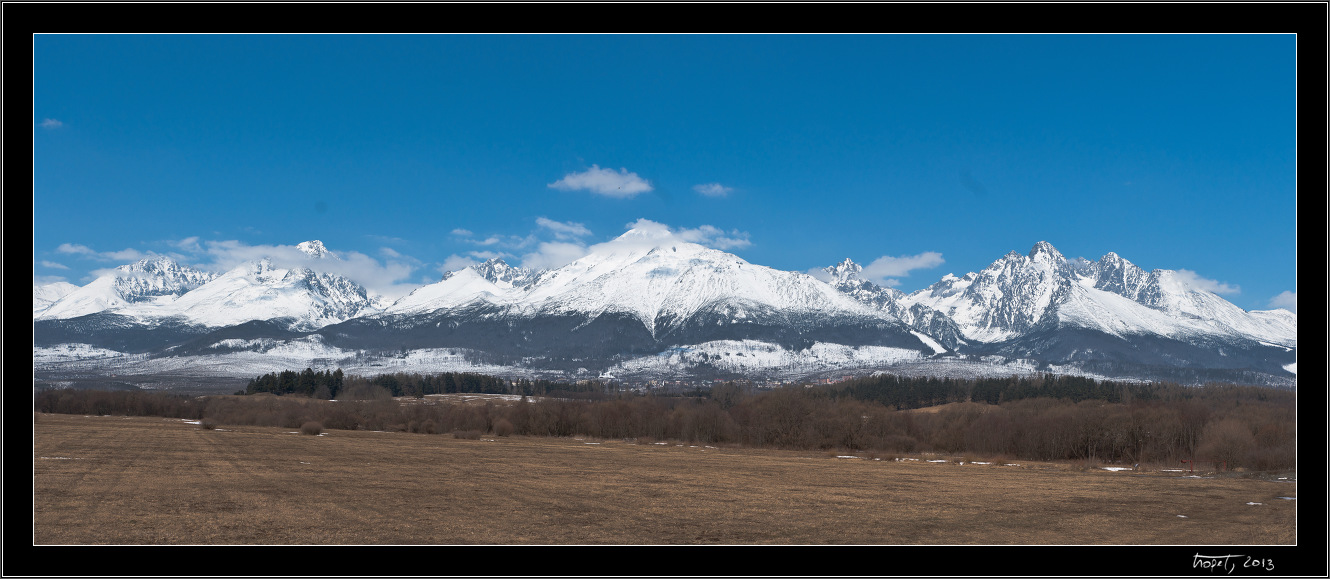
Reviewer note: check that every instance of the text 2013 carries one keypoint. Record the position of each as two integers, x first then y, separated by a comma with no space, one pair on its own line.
1230,562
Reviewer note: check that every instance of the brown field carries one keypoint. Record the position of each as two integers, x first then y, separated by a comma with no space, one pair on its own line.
155,481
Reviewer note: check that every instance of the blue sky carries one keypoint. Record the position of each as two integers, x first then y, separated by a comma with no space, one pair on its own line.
922,154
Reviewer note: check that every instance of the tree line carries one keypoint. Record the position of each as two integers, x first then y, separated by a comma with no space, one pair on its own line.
1038,418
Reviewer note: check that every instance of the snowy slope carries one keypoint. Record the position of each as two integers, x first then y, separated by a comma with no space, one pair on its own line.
1004,300
148,282
935,326
263,291
457,288
1017,294
647,274
158,288
43,296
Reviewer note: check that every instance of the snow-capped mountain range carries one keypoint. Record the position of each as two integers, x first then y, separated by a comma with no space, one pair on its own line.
641,302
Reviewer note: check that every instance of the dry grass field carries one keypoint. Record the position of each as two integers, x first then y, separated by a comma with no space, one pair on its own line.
155,481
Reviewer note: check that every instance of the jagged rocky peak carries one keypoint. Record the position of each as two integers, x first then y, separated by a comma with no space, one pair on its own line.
315,249
498,272
1044,251
845,271
153,264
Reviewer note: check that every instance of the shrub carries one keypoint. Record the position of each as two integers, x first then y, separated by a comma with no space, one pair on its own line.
467,434
311,428
207,424
502,427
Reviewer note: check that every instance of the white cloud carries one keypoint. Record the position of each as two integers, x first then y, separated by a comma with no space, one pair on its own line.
462,232
389,252
887,266
1190,279
714,237
50,124
488,255
710,236
455,262
54,265
604,182
1287,300
75,249
124,255
713,189
190,244
552,254
562,230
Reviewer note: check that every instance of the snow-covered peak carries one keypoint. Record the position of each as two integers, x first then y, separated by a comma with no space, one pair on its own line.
844,272
1044,252
262,290
45,295
502,275
1114,274
1008,297
153,280
315,249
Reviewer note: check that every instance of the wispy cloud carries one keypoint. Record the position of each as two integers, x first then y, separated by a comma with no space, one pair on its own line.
713,189
715,237
605,182
462,232
88,252
455,262
50,124
551,254
885,269
707,235
563,230
53,265
1287,300
1194,281
888,266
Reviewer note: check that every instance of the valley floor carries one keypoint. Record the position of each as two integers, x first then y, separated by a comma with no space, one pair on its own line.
155,481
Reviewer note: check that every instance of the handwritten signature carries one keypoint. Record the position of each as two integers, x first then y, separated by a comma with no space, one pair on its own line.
1230,562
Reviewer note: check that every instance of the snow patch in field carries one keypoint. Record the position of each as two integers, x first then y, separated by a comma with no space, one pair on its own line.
757,357
1117,468
72,352
1292,367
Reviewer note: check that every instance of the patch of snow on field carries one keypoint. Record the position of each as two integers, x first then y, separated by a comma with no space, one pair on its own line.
1292,367
756,357
1256,503
73,352
1289,498
1117,468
